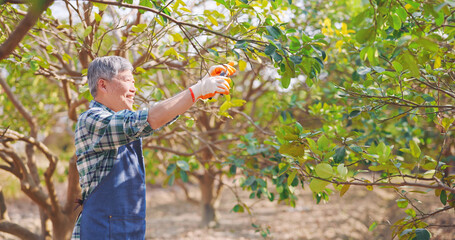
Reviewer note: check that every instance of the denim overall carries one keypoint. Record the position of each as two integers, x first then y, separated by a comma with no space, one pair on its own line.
116,208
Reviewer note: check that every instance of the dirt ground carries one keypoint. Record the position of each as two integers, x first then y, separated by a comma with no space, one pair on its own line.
169,216
349,217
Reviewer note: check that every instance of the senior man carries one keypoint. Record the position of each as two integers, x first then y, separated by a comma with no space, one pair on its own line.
109,146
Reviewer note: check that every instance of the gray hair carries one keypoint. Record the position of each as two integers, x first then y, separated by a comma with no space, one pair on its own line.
106,68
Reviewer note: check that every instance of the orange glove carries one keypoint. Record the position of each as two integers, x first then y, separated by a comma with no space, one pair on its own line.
227,69
209,86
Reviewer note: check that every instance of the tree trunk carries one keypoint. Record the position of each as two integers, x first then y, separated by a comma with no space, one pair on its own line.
62,226
3,211
46,225
206,183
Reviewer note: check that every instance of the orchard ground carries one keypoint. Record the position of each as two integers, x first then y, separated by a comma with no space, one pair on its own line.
170,216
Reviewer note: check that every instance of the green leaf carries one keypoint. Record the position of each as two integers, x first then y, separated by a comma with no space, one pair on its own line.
183,176
323,143
340,154
283,168
189,123
296,59
446,123
428,44
312,144
274,31
402,202
443,197
183,165
363,70
63,26
238,102
372,55
319,36
378,69
66,58
171,168
97,17
410,212
87,31
396,22
397,65
100,6
295,44
291,177
241,44
250,180
354,113
238,208
372,226
415,149
420,234
213,51
212,20
139,28
402,13
171,52
225,106
285,81
242,65
269,50
342,171
439,20
317,185
344,189
356,148
411,64
292,149
277,57
171,180
365,35
324,170
233,169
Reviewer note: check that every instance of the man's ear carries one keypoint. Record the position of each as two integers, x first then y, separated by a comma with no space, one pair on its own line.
102,85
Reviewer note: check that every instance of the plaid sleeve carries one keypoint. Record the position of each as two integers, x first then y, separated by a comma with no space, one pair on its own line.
112,130
76,235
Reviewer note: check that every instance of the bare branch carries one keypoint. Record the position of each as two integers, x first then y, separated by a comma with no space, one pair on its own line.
16,166
252,122
34,191
170,150
17,230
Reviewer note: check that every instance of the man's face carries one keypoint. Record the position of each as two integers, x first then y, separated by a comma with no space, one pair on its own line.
121,91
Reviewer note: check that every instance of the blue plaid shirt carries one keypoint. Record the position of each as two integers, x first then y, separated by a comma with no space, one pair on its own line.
99,133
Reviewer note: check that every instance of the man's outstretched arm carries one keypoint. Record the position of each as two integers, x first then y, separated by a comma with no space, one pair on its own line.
166,110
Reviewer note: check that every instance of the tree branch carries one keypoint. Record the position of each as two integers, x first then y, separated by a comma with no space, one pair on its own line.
180,23
34,12
252,122
34,191
412,184
18,105
17,230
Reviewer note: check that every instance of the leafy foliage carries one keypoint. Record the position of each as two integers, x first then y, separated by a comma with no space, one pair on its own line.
383,106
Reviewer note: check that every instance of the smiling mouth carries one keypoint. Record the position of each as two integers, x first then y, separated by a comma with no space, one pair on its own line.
130,98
